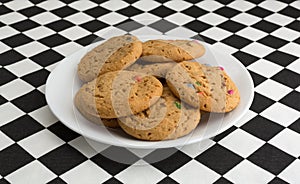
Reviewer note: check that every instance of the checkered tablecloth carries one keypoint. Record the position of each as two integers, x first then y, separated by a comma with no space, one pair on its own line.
262,147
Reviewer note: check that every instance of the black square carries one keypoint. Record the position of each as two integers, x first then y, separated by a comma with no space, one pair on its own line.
57,181
129,11
292,100
288,78
222,181
227,12
219,159
37,78
6,76
205,39
64,11
197,26
4,181
277,180
31,11
17,40
167,180
257,79
25,25
245,58
273,41
297,40
162,11
87,40
236,41
60,25
30,101
129,25
271,158
5,1
120,154
2,24
36,1
266,26
295,126
21,128
295,25
68,1
2,100
63,132
111,166
290,11
10,57
112,180
194,11
47,57
220,136
94,25
170,164
259,12
225,2
280,58
54,40
62,159
13,158
260,103
163,26
232,26
4,10
96,11
262,128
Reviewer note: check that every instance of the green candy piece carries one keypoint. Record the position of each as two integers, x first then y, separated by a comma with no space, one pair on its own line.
178,105
198,83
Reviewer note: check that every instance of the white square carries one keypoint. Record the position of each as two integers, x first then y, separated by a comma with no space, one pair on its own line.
294,66
145,18
286,34
245,18
23,67
295,4
87,172
5,141
7,31
42,89
31,48
12,17
15,89
40,143
273,89
39,32
224,48
248,173
265,68
145,31
251,33
194,172
209,5
34,172
45,18
216,33
114,5
291,173
112,18
179,18
9,112
51,5
181,32
82,5
298,89
281,114
258,49
74,33
79,18
288,141
212,19
195,149
241,142
50,68
18,5
146,5
247,117
291,48
178,5
109,32
44,116
4,47
146,174
241,5
279,19
68,48
274,6
88,147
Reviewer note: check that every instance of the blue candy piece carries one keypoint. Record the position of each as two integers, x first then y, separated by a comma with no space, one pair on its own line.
190,85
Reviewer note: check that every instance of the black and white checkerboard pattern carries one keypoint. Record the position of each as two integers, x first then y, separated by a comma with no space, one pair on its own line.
263,147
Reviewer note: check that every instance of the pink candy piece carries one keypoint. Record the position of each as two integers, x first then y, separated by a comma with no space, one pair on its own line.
137,78
230,92
200,93
221,68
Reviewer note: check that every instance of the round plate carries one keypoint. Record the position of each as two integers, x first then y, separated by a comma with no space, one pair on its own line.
63,83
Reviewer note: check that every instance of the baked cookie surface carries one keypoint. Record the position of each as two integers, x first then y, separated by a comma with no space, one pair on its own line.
208,88
168,118
171,50
114,54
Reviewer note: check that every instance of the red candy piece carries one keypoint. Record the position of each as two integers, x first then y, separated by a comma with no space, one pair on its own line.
221,68
137,78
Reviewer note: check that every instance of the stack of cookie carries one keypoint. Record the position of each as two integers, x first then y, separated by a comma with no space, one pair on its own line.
153,90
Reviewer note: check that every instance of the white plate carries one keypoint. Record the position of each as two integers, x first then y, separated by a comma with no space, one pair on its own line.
63,83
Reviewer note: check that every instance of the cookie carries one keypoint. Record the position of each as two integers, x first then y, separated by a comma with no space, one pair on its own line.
171,50
117,94
114,54
168,118
156,69
208,88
